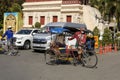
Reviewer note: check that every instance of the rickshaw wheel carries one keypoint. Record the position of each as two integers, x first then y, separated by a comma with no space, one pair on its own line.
49,57
89,59
74,61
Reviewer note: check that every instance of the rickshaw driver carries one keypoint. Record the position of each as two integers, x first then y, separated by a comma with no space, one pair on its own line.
80,40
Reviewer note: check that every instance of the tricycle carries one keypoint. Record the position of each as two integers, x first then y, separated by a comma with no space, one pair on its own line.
61,52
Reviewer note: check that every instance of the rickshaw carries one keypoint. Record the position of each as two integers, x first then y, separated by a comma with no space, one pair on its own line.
61,52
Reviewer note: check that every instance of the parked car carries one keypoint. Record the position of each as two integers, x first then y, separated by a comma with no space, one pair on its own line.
24,37
42,41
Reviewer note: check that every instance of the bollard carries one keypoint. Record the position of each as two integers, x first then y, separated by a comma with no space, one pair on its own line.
101,49
115,47
105,49
110,47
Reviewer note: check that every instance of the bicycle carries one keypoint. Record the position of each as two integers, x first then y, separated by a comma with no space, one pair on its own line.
87,56
11,49
88,59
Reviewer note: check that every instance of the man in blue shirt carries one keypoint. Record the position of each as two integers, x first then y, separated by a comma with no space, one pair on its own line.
9,34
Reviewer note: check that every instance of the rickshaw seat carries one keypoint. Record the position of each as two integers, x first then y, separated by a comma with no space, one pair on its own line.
60,41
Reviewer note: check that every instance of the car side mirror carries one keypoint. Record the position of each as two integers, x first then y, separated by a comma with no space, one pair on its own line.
33,34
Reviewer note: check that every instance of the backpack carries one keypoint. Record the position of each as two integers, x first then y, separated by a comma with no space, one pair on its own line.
90,43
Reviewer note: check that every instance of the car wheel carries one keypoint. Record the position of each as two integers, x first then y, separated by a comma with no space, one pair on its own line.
27,45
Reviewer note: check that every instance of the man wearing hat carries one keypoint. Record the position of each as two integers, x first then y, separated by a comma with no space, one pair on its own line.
80,36
9,35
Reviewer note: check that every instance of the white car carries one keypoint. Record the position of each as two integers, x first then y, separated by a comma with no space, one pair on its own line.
24,37
42,41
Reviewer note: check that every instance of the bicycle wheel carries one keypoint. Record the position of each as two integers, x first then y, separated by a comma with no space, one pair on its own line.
13,50
50,57
74,58
89,59
5,49
74,61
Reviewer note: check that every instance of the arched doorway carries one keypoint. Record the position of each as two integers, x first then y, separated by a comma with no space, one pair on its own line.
10,21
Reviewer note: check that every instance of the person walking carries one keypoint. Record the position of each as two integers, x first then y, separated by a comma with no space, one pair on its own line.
9,36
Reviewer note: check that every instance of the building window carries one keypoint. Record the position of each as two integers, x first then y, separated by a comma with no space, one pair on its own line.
69,18
55,18
30,20
42,20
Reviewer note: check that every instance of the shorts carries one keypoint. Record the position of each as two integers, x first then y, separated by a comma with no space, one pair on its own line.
9,42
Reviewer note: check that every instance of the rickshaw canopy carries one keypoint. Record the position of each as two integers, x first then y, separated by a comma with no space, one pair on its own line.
73,30
58,30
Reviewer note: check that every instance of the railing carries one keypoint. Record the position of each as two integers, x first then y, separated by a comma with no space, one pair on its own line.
37,0
71,2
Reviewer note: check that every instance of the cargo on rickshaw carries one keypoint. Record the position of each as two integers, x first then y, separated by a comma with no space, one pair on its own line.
63,50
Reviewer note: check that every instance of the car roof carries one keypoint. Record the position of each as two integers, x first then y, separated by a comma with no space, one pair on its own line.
30,29
67,24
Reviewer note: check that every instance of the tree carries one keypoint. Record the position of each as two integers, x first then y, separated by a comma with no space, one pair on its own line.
93,3
117,35
96,32
107,37
99,4
109,9
37,25
112,9
1,26
5,6
16,8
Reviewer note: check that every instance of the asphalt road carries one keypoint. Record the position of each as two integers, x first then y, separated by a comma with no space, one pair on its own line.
31,66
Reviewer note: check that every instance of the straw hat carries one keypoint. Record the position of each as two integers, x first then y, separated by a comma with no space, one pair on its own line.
9,27
90,35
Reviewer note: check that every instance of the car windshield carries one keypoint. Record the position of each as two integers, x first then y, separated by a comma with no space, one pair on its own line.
24,32
49,28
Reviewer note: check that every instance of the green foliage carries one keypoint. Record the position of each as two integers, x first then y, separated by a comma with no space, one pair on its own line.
108,9
93,3
32,26
1,26
1,32
8,6
37,25
107,37
117,35
15,8
96,32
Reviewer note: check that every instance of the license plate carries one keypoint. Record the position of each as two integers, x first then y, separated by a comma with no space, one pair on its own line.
40,45
36,45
